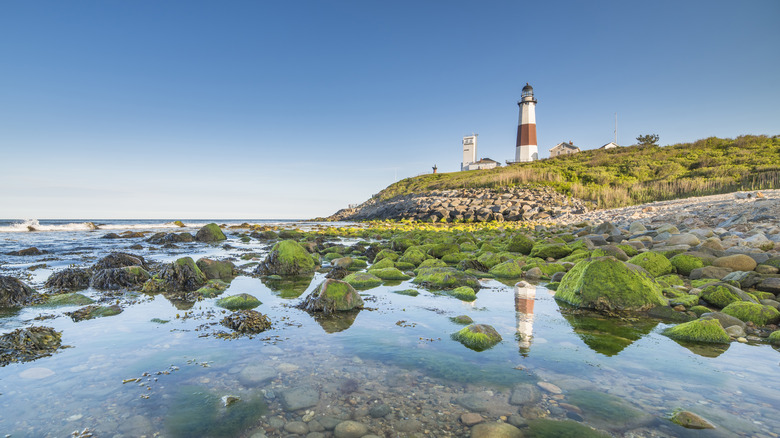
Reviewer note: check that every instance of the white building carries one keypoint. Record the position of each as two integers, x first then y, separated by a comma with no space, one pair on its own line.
610,145
526,148
563,149
470,161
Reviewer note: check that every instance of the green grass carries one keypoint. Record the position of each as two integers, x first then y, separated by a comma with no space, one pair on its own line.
628,175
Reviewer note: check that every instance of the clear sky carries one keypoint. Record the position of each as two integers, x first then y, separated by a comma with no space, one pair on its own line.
294,109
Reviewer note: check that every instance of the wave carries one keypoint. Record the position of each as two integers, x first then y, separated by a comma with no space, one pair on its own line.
33,225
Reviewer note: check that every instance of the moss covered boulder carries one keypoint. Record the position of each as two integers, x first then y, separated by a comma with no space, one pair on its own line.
463,293
94,311
478,337
758,314
431,263
520,243
508,269
332,296
689,420
210,233
246,322
610,285
700,330
240,301
217,270
69,280
212,289
445,278
550,250
722,294
128,277
183,275
413,256
363,280
386,254
774,337
389,274
441,249
13,292
655,263
287,258
685,263
382,264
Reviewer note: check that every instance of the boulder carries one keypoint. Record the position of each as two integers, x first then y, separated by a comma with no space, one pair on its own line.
758,314
495,430
217,270
287,258
463,293
736,262
119,260
700,330
210,233
27,344
709,272
478,337
128,277
520,243
237,302
610,285
27,252
183,275
246,321
508,269
94,311
553,250
70,279
389,274
363,280
771,284
332,296
685,263
14,292
723,294
654,263
445,278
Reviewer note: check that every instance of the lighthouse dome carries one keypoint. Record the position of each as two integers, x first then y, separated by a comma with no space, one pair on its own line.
528,90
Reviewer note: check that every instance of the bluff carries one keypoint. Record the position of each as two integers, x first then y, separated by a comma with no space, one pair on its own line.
470,205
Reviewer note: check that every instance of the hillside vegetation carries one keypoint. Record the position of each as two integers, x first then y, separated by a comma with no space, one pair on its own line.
628,175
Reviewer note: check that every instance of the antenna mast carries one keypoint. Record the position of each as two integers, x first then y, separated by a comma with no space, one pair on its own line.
616,128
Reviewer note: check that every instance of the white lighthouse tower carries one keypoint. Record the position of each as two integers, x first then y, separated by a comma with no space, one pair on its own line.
526,149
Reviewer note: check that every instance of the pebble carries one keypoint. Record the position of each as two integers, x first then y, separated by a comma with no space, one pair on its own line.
549,387
470,418
298,427
350,429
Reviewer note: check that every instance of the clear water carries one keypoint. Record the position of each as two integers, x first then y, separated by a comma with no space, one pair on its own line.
396,352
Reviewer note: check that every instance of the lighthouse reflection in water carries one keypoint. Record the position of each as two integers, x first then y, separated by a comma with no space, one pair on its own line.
525,294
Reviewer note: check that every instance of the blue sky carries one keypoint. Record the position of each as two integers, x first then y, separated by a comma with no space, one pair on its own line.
294,109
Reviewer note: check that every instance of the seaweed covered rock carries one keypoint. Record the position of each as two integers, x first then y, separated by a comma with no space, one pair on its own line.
246,321
210,233
217,270
689,420
389,274
700,330
119,260
27,344
722,294
127,277
607,284
552,250
13,292
655,263
212,289
94,311
520,243
478,337
68,299
70,280
166,238
183,275
332,296
774,337
758,314
686,263
363,280
463,293
508,269
287,258
237,302
445,278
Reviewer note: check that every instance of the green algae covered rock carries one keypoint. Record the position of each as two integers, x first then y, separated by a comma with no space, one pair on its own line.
685,263
520,243
413,256
431,263
386,254
287,258
774,337
217,270
546,428
554,250
445,278
210,233
94,311
212,288
609,284
237,302
700,310
442,249
407,292
389,274
332,296
363,280
181,275
689,420
478,337
508,269
70,299
456,257
671,280
462,319
463,293
759,314
382,264
699,330
722,294
654,263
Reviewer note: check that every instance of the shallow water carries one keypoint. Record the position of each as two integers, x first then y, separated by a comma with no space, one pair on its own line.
396,352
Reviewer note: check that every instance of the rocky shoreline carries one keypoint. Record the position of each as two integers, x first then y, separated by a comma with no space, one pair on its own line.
467,205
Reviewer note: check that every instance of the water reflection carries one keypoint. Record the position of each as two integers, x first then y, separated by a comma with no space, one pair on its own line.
525,294
336,321
288,287
606,335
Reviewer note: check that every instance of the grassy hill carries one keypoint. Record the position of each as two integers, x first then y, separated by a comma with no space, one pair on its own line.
629,175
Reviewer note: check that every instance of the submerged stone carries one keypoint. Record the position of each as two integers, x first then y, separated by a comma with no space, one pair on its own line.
606,410
495,430
546,428
611,285
689,420
69,299
94,311
478,337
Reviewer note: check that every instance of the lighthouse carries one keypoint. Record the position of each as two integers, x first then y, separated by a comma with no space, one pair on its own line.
526,149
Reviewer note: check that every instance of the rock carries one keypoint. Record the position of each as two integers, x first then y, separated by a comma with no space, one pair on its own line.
300,398
332,296
495,430
758,314
689,420
445,278
217,270
654,263
28,344
463,293
476,402
94,311
379,411
128,277
389,273
462,319
554,250
723,294
725,320
736,331
408,425
27,252
255,375
700,330
549,387
567,428
609,284
296,427
683,239
69,279
240,301
287,258
709,272
607,411
745,279
68,299
508,269
736,262
170,238
771,284
684,264
471,418
350,429
182,275
14,292
210,233
119,260
524,393
246,321
478,337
